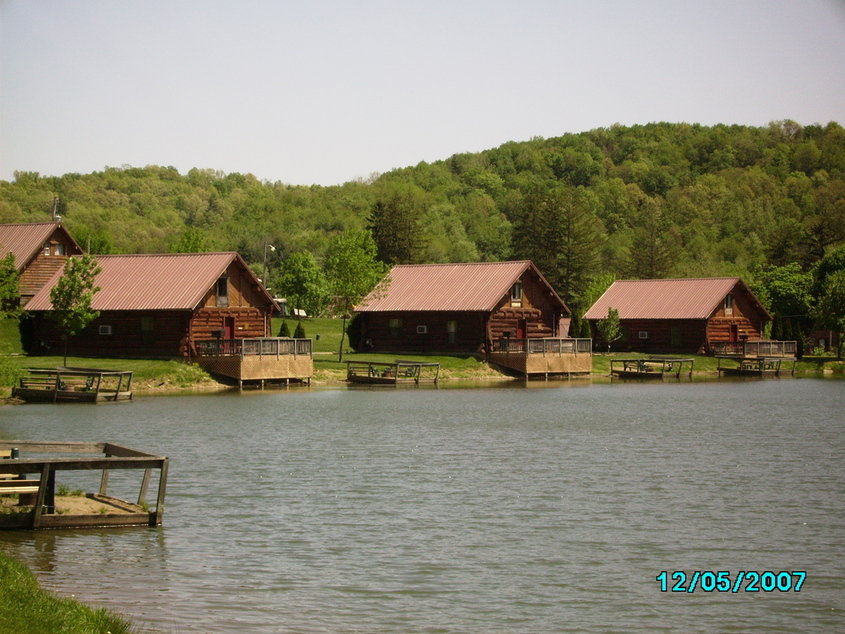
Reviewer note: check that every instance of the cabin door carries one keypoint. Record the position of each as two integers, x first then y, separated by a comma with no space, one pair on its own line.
228,327
521,329
734,333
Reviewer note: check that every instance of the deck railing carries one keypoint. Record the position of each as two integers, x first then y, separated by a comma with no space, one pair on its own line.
263,346
101,456
551,345
755,348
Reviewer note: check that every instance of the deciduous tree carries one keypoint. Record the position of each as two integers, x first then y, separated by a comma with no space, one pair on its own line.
830,311
352,271
610,327
303,283
73,295
10,298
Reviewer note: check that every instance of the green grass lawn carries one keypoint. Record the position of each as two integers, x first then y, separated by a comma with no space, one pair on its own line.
325,332
26,607
10,340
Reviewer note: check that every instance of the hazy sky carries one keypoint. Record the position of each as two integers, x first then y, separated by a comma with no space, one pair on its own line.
328,91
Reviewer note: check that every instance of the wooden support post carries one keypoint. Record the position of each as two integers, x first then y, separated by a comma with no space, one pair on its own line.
41,496
104,482
145,483
156,520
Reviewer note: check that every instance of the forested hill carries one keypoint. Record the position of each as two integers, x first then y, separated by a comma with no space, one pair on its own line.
655,200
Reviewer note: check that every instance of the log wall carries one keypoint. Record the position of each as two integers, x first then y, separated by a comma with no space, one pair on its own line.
468,337
171,335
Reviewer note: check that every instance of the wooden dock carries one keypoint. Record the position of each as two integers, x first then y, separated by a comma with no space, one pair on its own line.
73,385
650,367
385,373
28,502
754,366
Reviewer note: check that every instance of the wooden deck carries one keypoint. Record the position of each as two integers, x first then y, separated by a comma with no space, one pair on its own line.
543,357
398,372
751,349
37,504
73,385
756,358
258,361
650,367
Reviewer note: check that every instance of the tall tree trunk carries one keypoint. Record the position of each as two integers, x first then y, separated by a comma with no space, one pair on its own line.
342,335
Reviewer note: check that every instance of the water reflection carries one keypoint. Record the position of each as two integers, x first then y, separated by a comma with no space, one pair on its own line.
552,508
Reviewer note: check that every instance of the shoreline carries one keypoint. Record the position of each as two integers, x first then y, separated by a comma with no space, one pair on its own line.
337,378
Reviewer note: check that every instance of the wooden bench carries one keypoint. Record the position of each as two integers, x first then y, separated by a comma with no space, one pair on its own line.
27,490
19,486
44,384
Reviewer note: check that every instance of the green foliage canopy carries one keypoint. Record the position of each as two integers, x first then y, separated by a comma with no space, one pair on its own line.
830,311
303,283
667,199
10,298
610,328
72,296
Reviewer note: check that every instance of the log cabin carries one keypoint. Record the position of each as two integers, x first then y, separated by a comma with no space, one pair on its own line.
681,315
459,308
40,249
160,306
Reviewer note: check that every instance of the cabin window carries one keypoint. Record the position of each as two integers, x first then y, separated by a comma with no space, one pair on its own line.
729,304
59,249
451,331
643,334
516,294
223,291
148,330
395,326
46,250
104,330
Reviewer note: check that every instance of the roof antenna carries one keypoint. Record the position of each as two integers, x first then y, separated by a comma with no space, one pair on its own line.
56,216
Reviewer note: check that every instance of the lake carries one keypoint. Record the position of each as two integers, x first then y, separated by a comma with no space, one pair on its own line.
547,508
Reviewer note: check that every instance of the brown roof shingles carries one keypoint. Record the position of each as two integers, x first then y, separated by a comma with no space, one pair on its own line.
445,287
665,299
24,240
175,281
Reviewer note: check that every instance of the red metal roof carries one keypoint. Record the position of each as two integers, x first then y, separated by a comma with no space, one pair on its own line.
446,287
25,240
176,281
666,299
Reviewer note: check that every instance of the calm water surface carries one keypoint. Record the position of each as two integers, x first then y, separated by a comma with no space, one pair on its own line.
464,510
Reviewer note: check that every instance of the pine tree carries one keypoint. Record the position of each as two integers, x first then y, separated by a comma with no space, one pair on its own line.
284,330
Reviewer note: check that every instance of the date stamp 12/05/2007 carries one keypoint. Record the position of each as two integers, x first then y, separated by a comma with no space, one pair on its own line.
725,581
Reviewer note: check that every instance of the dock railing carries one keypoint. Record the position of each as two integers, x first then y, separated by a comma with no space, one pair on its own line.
69,383
101,456
550,345
262,346
761,348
